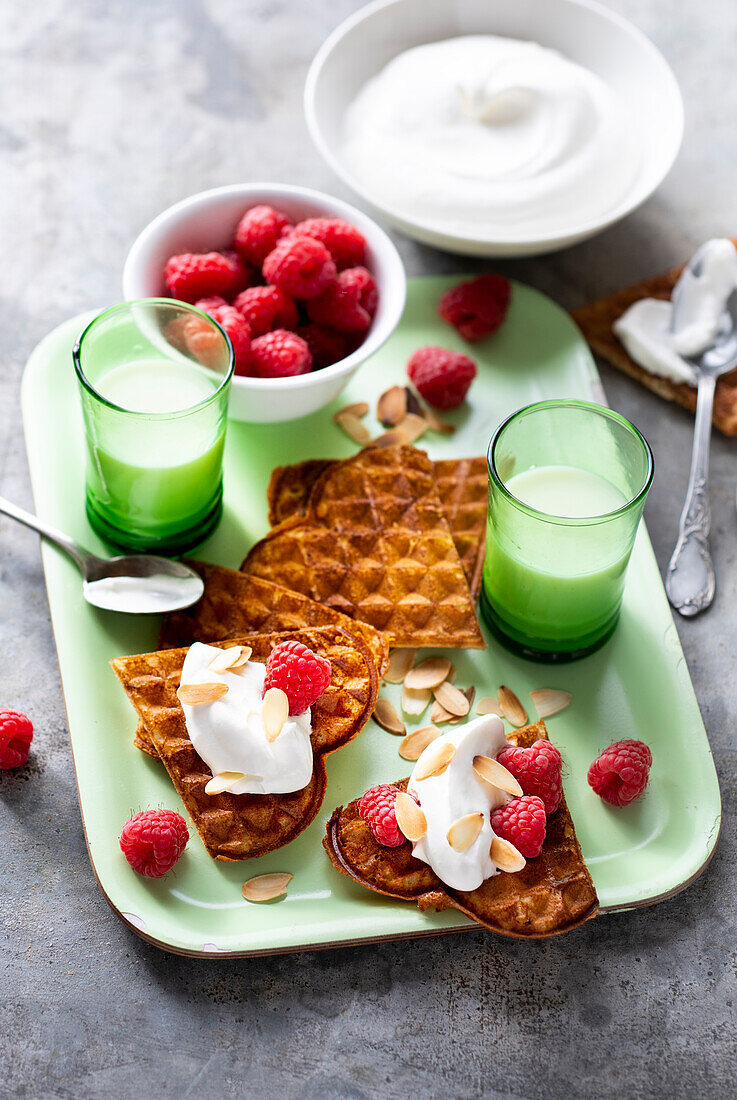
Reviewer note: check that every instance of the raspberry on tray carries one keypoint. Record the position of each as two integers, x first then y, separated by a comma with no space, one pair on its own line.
478,307
620,774
301,674
152,841
441,376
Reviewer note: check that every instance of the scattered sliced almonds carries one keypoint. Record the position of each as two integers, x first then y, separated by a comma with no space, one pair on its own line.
465,831
451,699
223,781
439,714
436,423
550,701
512,709
195,695
227,659
491,771
353,427
385,715
414,744
505,855
414,702
266,887
410,817
470,693
274,712
395,437
489,705
413,426
400,662
358,408
392,407
428,674
436,761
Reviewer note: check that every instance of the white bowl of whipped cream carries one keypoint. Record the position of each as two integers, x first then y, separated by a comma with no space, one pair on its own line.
495,129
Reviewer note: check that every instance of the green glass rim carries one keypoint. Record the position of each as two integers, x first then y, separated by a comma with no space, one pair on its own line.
170,302
571,521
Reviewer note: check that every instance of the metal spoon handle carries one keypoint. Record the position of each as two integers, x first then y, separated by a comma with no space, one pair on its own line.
690,580
64,542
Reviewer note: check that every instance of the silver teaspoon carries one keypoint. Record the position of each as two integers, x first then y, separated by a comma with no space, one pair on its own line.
138,584
690,581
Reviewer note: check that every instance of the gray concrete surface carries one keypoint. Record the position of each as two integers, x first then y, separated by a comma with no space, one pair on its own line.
111,111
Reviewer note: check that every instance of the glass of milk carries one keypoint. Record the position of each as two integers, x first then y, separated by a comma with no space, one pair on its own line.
567,486
154,379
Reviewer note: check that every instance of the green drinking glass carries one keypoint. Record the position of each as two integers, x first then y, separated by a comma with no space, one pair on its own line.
154,380
567,486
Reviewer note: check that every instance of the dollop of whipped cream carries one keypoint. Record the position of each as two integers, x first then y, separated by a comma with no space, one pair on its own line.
229,733
647,328
484,134
458,791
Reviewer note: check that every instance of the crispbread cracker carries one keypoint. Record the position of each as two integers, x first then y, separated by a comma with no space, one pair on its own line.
596,321
551,894
234,827
375,545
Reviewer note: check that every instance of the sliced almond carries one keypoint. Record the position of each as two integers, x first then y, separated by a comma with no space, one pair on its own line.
470,693
415,701
223,781
414,744
439,714
392,407
428,674
385,714
512,709
274,712
452,699
465,831
266,887
413,426
410,817
491,771
550,701
353,427
489,705
195,695
358,408
435,761
395,437
451,677
400,662
413,402
235,657
436,423
505,855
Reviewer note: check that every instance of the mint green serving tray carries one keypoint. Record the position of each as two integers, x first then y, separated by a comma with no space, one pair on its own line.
637,686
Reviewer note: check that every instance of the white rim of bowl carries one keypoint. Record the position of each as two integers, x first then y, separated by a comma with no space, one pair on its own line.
374,338
626,207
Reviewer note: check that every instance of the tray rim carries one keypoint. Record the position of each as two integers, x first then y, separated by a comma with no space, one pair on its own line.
464,924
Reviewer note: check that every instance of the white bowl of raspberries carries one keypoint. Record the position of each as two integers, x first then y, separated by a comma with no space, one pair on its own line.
306,286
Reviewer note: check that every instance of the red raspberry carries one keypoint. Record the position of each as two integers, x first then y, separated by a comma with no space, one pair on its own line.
234,324
620,774
153,841
476,308
343,241
363,283
339,307
441,376
258,231
522,823
266,308
16,734
192,276
300,266
301,674
326,345
280,354
537,770
376,807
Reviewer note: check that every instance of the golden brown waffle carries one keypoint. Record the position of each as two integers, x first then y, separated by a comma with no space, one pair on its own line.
376,546
235,604
243,826
462,485
596,321
551,894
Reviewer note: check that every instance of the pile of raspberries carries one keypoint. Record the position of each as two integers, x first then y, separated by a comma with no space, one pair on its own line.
292,298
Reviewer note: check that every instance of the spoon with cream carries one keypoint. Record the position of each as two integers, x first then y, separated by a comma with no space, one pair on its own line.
137,584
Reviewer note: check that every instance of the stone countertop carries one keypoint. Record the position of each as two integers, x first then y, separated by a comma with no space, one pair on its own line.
113,111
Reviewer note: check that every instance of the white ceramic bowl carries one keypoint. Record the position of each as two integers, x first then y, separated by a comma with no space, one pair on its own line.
582,30
208,221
